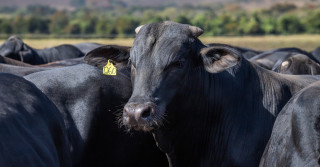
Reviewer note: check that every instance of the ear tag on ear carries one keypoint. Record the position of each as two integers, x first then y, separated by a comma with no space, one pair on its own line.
109,69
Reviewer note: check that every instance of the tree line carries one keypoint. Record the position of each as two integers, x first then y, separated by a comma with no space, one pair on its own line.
120,21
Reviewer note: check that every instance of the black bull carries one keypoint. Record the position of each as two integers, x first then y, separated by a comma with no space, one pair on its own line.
16,49
295,135
206,106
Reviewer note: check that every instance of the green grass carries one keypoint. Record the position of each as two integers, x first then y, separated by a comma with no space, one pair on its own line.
306,42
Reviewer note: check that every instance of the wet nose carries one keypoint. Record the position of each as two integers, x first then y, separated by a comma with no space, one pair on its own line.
136,114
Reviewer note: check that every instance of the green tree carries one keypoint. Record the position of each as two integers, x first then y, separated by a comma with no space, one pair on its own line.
218,26
254,25
182,19
199,20
126,25
269,25
5,26
36,24
170,13
149,16
290,24
105,27
88,27
74,28
18,25
312,22
202,20
58,22
242,24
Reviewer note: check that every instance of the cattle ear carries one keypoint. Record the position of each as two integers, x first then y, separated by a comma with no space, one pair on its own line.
26,54
218,58
99,57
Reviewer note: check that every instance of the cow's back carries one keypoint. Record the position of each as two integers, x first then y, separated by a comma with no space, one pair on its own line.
57,53
295,135
32,129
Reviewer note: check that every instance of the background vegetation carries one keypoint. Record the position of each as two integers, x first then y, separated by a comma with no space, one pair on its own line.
306,42
119,21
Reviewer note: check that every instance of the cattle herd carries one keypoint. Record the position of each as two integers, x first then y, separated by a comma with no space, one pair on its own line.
174,101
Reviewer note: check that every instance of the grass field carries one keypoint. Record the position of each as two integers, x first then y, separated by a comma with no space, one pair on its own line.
306,42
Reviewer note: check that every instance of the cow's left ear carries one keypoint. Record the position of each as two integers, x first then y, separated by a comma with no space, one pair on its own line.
99,57
218,58
26,54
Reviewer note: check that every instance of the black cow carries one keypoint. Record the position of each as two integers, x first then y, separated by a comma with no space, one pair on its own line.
297,64
20,70
87,46
91,100
16,49
32,128
295,136
206,106
272,58
8,65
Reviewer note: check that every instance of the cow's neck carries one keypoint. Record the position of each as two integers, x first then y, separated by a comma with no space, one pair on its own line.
11,61
44,55
32,56
222,119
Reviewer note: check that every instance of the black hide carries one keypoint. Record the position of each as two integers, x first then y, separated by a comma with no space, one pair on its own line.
206,106
32,128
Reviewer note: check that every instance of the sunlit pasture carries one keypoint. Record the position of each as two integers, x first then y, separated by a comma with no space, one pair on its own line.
306,42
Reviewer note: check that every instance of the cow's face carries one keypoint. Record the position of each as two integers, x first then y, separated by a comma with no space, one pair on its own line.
12,47
162,56
299,64
15,48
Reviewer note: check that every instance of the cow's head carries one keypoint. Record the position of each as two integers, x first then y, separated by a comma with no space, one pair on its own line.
162,57
298,64
14,48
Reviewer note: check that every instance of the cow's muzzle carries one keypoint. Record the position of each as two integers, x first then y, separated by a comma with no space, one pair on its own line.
139,116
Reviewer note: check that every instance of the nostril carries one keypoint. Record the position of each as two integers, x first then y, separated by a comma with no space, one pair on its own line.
146,113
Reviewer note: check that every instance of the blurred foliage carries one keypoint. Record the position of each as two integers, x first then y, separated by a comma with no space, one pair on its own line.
59,22
118,20
39,10
78,3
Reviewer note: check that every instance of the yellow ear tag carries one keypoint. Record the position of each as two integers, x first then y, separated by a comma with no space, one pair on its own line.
109,69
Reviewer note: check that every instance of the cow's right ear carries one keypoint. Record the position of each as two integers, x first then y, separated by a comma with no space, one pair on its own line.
219,58
99,57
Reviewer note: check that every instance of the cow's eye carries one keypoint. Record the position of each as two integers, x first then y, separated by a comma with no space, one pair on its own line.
176,64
